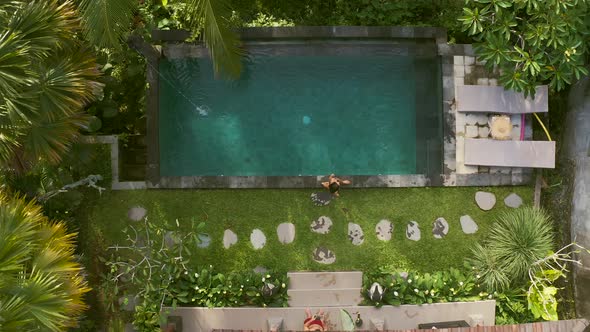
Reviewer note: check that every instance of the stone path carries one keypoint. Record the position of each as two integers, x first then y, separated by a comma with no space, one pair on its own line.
440,228
323,255
468,225
384,229
485,200
413,231
258,239
286,232
322,225
229,238
355,234
513,201
136,213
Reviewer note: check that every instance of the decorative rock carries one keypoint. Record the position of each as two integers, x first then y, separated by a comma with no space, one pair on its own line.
468,225
384,229
229,238
413,231
440,228
136,213
322,225
355,234
321,198
260,270
513,201
258,239
204,240
485,200
323,255
286,232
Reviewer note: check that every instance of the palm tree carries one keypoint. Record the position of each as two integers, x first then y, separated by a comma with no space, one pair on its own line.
46,78
107,21
41,284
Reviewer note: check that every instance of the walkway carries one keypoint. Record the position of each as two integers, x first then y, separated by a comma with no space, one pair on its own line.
577,143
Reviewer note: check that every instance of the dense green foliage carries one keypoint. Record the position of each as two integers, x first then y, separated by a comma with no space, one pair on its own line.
519,238
532,42
41,281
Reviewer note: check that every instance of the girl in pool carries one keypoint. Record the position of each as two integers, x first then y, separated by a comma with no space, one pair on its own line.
333,184
315,322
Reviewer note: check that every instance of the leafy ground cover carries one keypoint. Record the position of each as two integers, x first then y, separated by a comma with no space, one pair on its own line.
244,210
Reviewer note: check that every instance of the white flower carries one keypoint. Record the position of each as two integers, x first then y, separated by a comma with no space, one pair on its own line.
263,279
283,285
196,287
224,292
490,296
395,293
241,286
426,291
185,272
409,281
416,290
461,283
391,284
477,276
452,289
196,275
268,275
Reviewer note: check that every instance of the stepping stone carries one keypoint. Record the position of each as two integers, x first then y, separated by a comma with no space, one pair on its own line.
286,232
229,238
323,255
136,213
321,198
258,239
322,225
384,229
468,225
485,200
413,231
260,270
513,201
440,228
204,240
355,234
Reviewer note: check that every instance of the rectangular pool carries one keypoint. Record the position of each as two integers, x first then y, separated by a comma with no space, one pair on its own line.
345,108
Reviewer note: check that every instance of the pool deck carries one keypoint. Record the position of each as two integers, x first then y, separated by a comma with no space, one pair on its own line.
458,67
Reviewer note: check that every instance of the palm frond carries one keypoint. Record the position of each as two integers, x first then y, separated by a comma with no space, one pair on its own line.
223,43
105,22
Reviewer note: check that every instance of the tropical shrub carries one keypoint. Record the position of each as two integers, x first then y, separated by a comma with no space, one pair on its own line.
532,42
519,238
42,285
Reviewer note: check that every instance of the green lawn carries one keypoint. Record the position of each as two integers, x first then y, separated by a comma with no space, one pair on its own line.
243,210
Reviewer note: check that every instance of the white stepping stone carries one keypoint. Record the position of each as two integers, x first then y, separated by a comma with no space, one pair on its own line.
260,269
468,225
440,228
355,234
136,213
258,239
413,231
513,201
204,240
384,229
229,238
322,225
485,200
286,232
323,255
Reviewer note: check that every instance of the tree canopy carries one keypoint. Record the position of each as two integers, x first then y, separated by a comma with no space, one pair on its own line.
532,42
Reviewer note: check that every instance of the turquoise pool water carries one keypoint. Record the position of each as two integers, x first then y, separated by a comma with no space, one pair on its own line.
291,115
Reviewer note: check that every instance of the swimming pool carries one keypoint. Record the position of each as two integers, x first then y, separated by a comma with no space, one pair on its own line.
354,108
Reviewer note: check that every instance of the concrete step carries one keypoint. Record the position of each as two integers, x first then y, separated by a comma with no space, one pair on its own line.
324,297
325,280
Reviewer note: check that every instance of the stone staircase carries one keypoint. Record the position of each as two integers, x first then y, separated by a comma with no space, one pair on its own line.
324,289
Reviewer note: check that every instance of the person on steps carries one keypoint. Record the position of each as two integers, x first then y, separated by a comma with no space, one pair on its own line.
333,184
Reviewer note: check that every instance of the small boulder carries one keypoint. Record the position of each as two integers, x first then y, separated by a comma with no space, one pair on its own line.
136,213
355,234
322,225
513,200
229,238
258,239
204,240
384,230
323,255
413,231
440,228
286,232
468,225
485,200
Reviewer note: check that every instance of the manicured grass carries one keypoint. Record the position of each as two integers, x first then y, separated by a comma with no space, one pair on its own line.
244,210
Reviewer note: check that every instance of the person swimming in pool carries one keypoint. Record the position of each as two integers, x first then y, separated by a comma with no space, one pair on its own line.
333,184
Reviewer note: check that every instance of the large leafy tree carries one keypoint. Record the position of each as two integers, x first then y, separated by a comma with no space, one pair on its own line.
532,42
41,283
107,22
46,78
